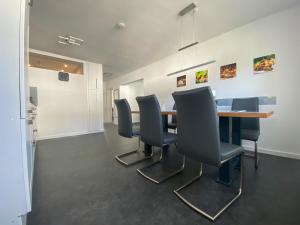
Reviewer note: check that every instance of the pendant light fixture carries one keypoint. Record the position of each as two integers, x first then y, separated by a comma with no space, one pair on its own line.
191,8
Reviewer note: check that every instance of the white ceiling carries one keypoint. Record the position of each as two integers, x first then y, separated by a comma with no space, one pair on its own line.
151,30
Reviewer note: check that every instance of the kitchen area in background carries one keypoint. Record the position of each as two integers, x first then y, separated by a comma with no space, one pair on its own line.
66,95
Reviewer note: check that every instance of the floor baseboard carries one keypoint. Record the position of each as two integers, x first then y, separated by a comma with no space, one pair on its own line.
39,138
273,152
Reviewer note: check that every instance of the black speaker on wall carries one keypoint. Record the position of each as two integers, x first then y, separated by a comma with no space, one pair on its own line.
63,76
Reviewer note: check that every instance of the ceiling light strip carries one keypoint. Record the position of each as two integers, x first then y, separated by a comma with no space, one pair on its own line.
192,67
75,38
69,40
188,46
63,42
187,9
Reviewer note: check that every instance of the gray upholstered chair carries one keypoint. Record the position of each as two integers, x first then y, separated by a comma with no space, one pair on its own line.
198,138
127,129
250,128
172,125
152,133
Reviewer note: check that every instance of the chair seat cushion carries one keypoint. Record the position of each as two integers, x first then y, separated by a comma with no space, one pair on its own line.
172,126
229,150
136,130
169,138
251,135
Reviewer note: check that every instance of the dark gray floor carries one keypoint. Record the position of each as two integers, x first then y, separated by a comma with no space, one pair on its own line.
78,182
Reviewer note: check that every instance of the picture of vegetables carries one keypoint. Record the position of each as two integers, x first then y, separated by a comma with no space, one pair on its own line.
201,76
228,71
264,64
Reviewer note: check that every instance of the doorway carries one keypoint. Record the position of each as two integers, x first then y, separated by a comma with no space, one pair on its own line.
130,91
115,96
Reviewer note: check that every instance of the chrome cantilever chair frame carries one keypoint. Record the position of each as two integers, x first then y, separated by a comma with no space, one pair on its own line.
254,155
207,215
153,134
249,104
158,161
119,157
125,129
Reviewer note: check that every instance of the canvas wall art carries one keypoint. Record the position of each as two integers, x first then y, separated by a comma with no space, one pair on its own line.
201,76
228,71
264,64
181,81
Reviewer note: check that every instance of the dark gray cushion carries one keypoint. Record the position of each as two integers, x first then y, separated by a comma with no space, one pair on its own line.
228,151
172,126
124,118
250,105
198,128
169,138
173,123
151,125
197,125
251,135
136,129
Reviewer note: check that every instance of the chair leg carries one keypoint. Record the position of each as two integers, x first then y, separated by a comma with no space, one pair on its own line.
212,217
255,156
158,181
119,157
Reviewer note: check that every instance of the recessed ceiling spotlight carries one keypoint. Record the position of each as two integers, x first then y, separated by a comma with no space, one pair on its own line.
120,25
69,40
65,65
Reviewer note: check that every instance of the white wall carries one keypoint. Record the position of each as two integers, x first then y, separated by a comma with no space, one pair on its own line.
68,108
107,100
279,34
130,92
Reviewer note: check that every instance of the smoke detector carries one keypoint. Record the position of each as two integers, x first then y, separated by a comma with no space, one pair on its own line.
120,25
69,40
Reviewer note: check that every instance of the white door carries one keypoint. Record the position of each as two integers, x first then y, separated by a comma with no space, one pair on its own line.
94,73
116,96
94,111
95,97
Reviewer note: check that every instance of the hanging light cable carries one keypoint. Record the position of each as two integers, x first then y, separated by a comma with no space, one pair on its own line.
183,12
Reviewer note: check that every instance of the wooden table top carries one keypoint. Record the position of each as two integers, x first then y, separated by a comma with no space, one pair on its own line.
240,114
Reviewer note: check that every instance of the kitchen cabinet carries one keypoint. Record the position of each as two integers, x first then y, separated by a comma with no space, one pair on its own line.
17,154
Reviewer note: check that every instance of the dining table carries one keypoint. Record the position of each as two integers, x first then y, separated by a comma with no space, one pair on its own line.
230,132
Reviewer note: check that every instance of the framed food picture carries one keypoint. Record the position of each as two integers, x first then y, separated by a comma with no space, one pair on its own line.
201,76
264,64
228,71
181,81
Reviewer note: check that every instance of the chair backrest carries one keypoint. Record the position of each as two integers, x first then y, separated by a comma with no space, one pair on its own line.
174,118
198,125
151,127
124,118
250,105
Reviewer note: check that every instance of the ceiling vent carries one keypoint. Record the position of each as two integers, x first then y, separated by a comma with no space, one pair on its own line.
69,40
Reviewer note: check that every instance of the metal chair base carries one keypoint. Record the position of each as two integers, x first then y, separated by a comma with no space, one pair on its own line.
211,217
119,157
158,181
